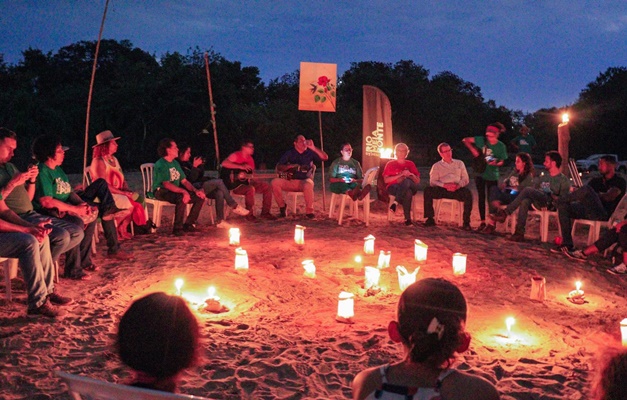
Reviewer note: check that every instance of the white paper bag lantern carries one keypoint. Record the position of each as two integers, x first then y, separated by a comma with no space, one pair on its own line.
372,277
345,306
405,278
241,260
369,244
459,264
384,259
420,251
299,234
310,268
234,235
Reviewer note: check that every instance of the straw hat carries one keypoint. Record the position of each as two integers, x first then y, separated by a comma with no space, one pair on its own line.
104,137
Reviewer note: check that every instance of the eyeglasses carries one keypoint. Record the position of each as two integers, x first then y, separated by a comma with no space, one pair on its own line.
446,151
348,149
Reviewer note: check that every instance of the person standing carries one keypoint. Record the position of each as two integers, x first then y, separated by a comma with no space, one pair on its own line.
401,178
296,172
495,154
448,180
525,142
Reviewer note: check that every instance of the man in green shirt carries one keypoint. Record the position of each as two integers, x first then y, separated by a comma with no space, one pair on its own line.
170,184
547,189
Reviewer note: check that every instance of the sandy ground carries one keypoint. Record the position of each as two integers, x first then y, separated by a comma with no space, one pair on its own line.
281,341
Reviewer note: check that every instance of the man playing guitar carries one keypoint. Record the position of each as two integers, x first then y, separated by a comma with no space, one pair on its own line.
237,175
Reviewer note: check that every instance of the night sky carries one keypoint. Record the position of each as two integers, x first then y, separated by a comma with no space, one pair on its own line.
524,55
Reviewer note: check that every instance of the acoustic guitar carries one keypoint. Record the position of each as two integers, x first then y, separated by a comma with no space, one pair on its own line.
234,177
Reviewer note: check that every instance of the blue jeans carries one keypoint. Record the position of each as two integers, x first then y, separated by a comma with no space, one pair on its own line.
523,202
35,262
216,189
79,256
64,235
582,203
403,193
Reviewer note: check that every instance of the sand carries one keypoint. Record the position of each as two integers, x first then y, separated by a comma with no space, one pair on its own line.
280,339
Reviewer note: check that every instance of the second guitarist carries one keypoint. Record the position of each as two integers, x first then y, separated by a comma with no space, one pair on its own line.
236,173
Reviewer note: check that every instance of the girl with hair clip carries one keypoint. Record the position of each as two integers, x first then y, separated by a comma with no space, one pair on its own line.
430,325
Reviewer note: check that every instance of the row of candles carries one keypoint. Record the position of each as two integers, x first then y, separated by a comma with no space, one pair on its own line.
405,278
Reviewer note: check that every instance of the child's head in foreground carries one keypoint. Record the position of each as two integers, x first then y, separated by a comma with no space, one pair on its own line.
611,380
431,319
158,338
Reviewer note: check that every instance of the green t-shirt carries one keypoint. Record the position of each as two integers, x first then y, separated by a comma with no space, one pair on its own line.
513,181
497,150
167,171
558,185
51,183
346,169
18,199
525,143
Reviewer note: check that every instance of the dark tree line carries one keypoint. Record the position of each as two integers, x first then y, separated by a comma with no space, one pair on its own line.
144,98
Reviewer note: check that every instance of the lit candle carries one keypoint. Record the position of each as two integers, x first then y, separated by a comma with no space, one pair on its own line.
211,292
234,235
299,234
241,260
509,322
623,331
420,251
372,277
405,278
386,153
178,284
369,244
384,259
565,118
345,307
459,264
310,268
357,266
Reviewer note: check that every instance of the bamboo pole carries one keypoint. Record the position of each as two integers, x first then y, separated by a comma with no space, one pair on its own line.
91,91
324,191
213,113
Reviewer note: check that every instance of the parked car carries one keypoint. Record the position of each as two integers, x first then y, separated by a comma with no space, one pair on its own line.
591,163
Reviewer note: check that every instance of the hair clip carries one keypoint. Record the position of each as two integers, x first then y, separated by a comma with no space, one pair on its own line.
436,327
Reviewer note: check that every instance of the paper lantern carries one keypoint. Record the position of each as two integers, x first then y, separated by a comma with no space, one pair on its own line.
459,264
538,288
384,259
241,260
369,244
234,235
405,278
372,277
420,251
623,331
178,284
310,268
345,306
299,234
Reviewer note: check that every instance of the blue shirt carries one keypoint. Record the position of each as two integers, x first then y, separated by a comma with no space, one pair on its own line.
305,160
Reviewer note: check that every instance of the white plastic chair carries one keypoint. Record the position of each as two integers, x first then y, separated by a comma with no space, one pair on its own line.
294,195
157,205
545,216
81,387
10,272
595,226
415,207
369,177
456,206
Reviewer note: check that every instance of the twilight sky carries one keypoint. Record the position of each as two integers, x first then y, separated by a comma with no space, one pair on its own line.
524,54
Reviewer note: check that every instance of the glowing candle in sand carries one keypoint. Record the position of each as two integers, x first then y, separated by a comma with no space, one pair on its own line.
372,277
299,234
459,264
420,251
178,284
509,322
405,278
384,259
211,293
623,331
241,260
369,244
345,306
234,235
357,266
310,268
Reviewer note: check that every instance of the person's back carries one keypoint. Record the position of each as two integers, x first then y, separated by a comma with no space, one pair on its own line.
430,326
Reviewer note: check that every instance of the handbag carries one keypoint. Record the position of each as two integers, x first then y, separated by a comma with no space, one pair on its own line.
479,163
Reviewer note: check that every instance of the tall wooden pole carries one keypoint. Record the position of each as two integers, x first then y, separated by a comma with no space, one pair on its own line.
324,190
91,91
213,113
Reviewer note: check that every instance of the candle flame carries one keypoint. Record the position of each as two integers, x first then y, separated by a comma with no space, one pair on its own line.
178,284
578,285
211,291
358,259
509,321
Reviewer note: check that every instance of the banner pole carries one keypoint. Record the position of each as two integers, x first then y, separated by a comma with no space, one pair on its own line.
324,190
213,113
91,91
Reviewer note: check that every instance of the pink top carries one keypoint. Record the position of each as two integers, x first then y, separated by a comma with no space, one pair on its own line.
240,158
